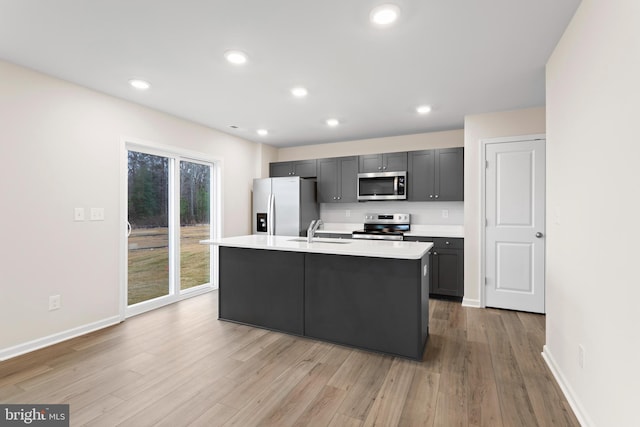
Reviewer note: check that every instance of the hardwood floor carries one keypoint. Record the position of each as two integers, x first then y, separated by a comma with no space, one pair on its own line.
180,366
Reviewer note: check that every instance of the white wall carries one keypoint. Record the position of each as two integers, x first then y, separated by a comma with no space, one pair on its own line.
476,128
420,141
422,213
268,154
60,147
593,152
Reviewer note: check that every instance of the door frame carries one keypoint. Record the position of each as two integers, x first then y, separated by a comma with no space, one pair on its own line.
216,221
483,201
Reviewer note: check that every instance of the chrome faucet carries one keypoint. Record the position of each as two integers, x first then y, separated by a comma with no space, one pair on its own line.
311,231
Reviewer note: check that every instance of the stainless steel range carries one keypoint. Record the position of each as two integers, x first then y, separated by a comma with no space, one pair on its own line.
384,226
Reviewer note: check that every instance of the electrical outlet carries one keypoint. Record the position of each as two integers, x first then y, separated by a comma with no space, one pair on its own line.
445,213
581,356
347,213
54,302
78,214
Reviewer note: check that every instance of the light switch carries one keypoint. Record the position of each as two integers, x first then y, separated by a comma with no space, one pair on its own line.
97,214
78,214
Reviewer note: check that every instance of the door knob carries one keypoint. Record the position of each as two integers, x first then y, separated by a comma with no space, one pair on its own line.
538,234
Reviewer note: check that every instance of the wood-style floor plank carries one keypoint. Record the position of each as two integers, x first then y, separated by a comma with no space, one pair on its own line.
180,366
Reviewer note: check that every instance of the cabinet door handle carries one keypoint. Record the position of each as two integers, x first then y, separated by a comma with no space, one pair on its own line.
339,198
334,198
539,234
446,243
384,168
379,168
431,196
435,253
437,196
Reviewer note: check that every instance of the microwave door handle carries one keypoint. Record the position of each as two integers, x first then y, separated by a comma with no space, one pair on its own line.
395,185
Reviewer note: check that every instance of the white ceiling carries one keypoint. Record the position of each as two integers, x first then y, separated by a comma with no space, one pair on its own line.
460,56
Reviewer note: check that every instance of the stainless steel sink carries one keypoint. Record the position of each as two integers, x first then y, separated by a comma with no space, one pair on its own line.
324,242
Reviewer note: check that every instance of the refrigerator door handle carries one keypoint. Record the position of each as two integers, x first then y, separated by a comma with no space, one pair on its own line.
271,220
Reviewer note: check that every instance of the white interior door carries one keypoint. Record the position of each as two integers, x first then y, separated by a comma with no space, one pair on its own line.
515,226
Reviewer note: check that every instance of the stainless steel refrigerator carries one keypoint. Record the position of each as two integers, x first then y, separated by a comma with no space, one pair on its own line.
284,206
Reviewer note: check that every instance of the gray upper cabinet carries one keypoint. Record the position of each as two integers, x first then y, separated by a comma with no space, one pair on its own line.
422,179
387,162
436,175
450,174
301,168
337,180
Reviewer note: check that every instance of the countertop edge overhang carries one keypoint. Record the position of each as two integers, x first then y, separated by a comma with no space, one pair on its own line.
365,248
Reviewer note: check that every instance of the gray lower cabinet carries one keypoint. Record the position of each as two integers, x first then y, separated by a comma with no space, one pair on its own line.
301,168
436,175
337,180
377,304
446,265
386,162
261,287
374,303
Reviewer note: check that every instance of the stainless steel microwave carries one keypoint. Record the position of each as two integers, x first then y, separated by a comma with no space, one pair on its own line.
382,186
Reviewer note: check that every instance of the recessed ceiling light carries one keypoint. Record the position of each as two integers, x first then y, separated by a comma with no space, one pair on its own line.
333,122
236,57
139,84
384,15
299,92
424,109
262,132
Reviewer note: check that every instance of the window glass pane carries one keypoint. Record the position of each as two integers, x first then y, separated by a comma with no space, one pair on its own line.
148,256
195,224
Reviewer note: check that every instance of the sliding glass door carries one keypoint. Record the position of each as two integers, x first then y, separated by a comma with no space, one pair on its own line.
195,224
169,210
148,248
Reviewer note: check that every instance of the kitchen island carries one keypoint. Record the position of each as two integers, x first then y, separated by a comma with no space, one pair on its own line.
366,294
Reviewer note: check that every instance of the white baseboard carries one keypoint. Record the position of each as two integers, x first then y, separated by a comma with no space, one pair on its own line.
569,394
468,302
39,343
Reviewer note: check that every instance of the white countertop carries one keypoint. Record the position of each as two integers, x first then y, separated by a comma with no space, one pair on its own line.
368,248
452,231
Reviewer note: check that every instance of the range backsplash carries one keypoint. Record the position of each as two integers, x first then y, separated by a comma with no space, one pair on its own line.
422,213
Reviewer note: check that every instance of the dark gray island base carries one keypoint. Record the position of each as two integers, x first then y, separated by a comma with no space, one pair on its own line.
378,304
